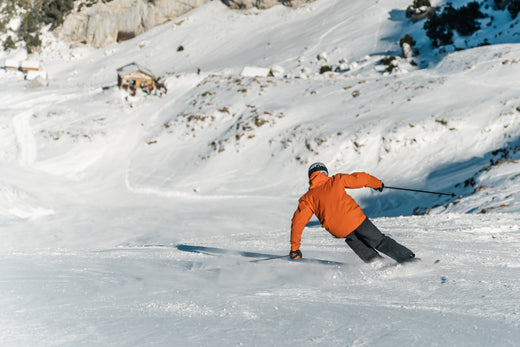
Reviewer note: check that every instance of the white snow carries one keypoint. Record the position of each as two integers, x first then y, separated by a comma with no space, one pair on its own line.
253,71
110,204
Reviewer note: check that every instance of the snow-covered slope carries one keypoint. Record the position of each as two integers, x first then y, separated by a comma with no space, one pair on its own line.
109,203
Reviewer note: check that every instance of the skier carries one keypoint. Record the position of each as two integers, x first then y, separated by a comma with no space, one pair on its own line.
341,216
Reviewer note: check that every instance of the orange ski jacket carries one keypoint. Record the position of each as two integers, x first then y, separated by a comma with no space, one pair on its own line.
326,198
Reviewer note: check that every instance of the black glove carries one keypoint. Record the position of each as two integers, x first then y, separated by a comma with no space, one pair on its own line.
380,188
295,254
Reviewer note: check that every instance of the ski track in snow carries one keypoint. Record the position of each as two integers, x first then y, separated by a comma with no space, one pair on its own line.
25,138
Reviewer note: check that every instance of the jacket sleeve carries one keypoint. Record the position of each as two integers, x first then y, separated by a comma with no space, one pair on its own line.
359,180
301,217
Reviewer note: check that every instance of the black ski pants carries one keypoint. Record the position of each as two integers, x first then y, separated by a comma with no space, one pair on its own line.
367,240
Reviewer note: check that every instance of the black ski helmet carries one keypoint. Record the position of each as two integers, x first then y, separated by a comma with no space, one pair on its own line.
318,167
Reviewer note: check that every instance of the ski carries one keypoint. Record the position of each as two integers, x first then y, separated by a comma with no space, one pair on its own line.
301,260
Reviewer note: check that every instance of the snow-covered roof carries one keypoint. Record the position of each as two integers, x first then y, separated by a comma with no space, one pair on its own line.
12,63
132,67
31,64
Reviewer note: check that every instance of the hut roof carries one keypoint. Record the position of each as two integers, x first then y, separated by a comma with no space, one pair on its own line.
31,65
133,67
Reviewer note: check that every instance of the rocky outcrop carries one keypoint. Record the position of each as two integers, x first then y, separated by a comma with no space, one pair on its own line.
117,20
263,4
106,23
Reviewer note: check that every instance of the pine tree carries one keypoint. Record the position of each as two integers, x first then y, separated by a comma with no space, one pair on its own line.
9,43
53,11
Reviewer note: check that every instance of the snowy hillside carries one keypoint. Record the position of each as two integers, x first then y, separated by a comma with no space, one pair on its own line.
133,220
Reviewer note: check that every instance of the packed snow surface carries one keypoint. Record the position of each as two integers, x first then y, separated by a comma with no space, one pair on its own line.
150,220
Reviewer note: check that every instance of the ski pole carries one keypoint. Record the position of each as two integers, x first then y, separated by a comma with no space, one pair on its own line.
420,191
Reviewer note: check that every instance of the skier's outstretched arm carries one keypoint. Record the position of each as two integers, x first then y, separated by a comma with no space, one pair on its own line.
360,180
301,217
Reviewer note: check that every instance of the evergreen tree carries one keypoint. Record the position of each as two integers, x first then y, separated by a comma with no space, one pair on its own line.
439,28
514,8
9,43
53,11
29,24
33,42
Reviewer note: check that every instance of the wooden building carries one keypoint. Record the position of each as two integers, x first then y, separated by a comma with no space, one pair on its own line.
133,77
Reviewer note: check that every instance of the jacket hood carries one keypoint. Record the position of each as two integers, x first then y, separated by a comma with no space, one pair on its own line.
317,179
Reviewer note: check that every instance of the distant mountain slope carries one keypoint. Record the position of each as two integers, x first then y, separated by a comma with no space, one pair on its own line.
219,133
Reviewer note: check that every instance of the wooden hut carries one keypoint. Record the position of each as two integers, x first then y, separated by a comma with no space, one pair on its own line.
133,77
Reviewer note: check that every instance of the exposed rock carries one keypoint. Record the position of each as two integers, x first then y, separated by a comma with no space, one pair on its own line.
103,24
119,20
323,56
407,50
